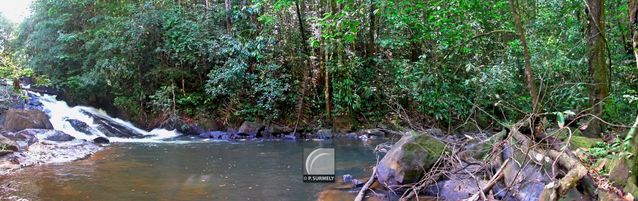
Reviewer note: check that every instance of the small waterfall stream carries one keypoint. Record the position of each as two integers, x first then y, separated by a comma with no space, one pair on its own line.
84,122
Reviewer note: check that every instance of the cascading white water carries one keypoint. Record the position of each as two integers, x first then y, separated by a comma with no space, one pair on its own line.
59,112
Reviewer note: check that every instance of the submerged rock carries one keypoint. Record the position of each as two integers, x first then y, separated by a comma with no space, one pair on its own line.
16,120
409,158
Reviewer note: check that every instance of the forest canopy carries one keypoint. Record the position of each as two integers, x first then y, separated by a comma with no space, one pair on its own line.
454,64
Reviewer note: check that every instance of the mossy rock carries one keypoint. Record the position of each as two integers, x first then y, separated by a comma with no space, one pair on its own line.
577,140
408,158
619,171
583,142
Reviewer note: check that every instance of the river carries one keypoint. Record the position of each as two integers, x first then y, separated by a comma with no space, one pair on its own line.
187,170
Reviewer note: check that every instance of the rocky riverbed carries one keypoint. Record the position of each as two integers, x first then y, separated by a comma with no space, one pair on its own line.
41,146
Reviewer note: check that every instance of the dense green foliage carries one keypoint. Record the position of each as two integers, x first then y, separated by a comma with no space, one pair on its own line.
416,62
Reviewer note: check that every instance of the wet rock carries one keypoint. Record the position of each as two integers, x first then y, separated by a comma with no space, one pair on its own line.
324,134
81,126
290,137
2,117
372,132
454,189
27,135
7,145
249,128
530,190
347,178
215,135
352,135
190,129
111,128
17,120
41,153
408,158
101,140
33,103
278,130
57,136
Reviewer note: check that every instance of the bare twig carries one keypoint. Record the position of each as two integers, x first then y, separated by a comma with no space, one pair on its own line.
490,184
365,187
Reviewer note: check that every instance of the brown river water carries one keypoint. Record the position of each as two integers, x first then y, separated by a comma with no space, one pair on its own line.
191,170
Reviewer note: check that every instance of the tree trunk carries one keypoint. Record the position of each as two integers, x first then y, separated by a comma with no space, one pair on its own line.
598,69
372,34
528,63
324,59
633,25
304,46
229,23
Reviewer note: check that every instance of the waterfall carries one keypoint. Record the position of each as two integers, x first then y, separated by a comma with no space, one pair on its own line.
84,122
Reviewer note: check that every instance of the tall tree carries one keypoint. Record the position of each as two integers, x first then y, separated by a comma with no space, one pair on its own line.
598,68
305,71
633,27
229,23
528,63
372,31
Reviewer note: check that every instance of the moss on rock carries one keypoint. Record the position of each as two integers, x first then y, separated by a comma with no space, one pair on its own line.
408,158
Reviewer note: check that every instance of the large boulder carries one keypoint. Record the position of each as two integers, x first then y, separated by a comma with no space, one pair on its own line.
7,145
112,128
249,128
17,120
189,129
408,158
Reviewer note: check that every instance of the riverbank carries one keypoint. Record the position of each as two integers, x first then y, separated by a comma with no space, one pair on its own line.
40,146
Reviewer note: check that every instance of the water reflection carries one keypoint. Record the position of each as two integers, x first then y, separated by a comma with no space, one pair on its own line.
193,171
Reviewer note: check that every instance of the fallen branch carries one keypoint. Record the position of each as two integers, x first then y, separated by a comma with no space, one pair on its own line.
576,169
491,183
365,187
